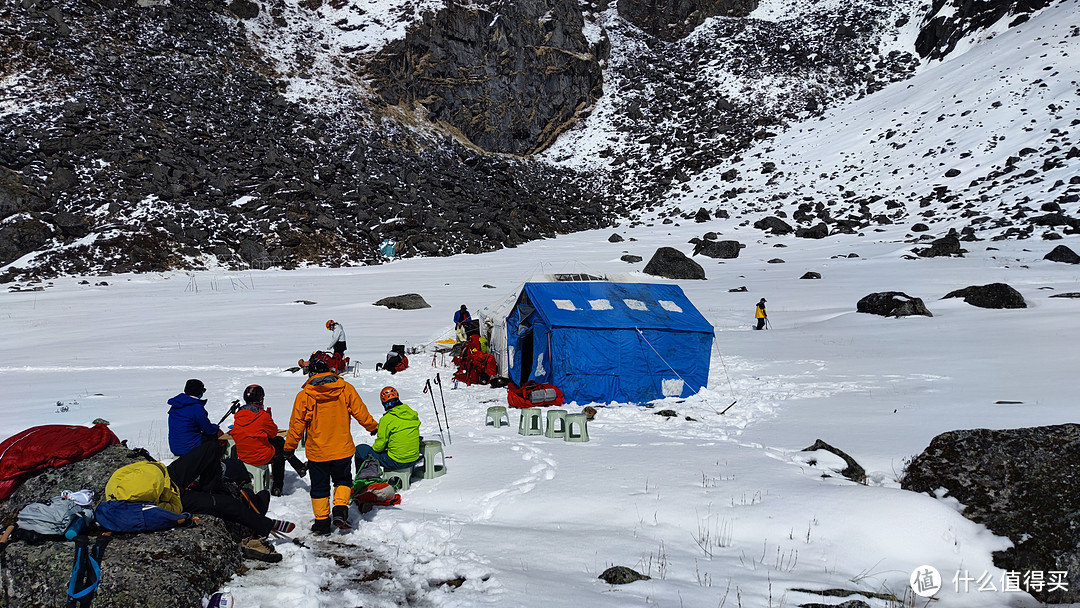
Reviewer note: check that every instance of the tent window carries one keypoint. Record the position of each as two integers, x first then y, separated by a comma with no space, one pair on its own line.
565,304
670,306
635,304
601,305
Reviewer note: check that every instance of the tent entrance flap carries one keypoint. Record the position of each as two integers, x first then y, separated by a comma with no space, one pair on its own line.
526,349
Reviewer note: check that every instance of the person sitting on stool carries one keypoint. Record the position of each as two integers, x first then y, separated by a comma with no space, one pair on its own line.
397,441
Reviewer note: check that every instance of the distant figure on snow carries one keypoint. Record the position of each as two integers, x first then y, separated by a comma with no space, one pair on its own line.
337,341
760,314
189,424
460,317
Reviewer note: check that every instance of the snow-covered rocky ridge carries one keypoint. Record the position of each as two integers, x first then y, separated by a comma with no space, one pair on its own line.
146,135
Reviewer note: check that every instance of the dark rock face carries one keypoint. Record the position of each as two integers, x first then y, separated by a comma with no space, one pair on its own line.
509,79
409,301
950,20
160,569
674,19
1063,254
1019,483
671,263
892,304
774,225
724,250
22,236
994,295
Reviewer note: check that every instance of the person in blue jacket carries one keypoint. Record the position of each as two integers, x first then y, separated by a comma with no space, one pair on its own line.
189,424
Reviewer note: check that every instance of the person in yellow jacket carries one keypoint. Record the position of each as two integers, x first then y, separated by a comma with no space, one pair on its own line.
322,410
760,314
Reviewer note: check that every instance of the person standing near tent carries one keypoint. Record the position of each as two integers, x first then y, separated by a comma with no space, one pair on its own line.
460,317
321,411
337,341
760,314
397,443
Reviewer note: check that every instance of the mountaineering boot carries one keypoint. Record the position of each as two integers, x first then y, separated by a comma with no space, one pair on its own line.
341,517
276,491
321,527
260,549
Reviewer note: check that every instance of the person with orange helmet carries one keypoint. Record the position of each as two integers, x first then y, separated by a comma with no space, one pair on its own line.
337,341
397,442
322,410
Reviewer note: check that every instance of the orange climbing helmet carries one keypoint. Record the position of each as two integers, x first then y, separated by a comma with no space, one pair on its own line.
330,324
388,394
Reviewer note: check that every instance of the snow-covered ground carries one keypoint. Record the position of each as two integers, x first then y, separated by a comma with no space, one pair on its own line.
721,510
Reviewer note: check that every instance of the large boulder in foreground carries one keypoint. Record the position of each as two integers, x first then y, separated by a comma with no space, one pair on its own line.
671,263
892,304
1019,483
156,569
994,295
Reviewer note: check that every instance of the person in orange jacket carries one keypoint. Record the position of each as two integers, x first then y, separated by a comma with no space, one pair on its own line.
322,410
257,441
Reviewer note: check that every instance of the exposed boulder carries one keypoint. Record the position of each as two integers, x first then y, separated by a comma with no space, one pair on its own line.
994,295
947,245
409,301
615,238
671,263
621,575
675,19
892,304
811,275
818,231
1018,483
630,258
1063,254
774,225
723,250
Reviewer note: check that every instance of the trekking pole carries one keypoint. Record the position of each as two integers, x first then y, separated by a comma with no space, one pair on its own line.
232,410
438,381
427,389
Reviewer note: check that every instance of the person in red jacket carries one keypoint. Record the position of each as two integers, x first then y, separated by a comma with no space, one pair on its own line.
257,441
322,411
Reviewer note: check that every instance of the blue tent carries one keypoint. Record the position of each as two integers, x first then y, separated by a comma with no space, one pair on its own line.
598,341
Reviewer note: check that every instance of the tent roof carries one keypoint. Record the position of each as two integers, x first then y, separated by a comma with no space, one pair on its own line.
594,304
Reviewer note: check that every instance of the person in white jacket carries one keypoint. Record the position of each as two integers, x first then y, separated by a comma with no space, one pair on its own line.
337,341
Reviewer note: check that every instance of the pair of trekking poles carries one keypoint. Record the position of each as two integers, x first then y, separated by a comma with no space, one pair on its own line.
431,392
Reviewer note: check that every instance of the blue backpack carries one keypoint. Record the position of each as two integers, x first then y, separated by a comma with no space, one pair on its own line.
124,516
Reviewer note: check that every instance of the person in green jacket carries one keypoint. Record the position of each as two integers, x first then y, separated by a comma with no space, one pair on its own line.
397,441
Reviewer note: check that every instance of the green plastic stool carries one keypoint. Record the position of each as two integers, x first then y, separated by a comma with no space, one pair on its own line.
429,448
530,422
405,475
553,417
495,416
260,476
581,422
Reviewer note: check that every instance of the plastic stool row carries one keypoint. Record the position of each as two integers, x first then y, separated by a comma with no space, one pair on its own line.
560,424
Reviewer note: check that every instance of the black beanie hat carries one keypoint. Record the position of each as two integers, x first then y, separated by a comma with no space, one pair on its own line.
194,388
